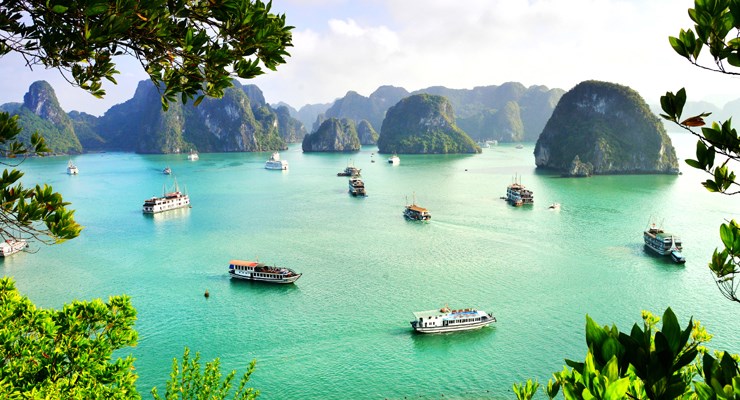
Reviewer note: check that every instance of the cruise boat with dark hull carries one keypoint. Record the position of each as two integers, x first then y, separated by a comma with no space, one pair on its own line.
517,195
664,243
416,213
357,187
257,271
446,320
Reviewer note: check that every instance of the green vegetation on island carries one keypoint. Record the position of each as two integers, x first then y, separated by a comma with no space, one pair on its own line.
423,124
334,135
609,129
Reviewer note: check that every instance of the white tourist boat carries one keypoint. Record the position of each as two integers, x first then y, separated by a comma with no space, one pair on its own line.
446,320
72,168
171,200
276,163
394,160
12,246
193,156
517,195
256,271
663,243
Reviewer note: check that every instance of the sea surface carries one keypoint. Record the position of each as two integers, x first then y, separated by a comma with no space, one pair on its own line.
342,331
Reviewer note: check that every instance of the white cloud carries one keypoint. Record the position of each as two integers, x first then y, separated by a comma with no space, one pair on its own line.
363,44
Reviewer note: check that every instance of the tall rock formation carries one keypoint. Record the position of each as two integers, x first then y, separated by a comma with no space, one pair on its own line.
423,123
607,128
334,135
41,112
367,134
231,123
357,107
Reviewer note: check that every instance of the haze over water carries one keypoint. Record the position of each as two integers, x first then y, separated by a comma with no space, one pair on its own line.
342,331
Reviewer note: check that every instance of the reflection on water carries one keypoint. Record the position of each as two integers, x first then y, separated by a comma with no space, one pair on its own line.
443,341
177,213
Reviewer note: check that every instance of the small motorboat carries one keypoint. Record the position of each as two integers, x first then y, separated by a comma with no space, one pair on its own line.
554,206
167,171
677,257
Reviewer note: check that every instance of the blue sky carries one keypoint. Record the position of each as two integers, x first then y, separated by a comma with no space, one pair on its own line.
342,45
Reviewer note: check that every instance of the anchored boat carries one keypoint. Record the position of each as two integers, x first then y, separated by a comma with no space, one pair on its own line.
12,246
663,243
447,320
256,271
169,201
357,187
276,163
517,195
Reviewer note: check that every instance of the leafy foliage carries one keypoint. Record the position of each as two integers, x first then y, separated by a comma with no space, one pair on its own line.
648,363
66,353
191,48
188,381
716,28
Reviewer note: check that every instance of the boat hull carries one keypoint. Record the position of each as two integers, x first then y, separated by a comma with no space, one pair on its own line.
456,328
252,277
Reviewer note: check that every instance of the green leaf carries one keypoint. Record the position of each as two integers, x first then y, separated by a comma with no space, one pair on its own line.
694,164
59,9
617,390
727,236
671,330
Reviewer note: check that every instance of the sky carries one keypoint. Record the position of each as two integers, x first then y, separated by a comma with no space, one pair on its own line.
359,45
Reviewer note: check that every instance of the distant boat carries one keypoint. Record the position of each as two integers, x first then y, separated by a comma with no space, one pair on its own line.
394,160
256,271
415,212
12,246
554,206
519,146
169,201
167,171
517,195
446,320
357,187
663,243
351,170
276,163
193,156
72,169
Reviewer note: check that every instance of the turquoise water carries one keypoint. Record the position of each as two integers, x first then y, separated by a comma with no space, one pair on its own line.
342,331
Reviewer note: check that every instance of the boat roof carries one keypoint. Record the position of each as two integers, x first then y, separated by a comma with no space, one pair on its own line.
245,263
417,208
438,313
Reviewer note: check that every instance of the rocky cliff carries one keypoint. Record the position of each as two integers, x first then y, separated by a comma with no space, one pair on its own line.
367,134
231,123
334,135
423,123
40,112
604,128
